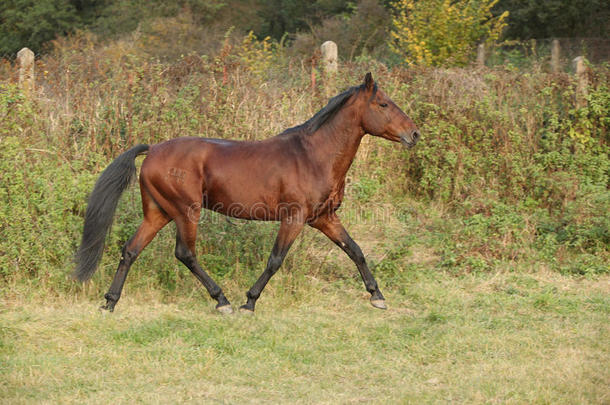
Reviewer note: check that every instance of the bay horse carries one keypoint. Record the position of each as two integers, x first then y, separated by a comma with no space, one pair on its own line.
296,178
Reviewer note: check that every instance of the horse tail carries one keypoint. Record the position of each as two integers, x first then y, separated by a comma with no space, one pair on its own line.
100,210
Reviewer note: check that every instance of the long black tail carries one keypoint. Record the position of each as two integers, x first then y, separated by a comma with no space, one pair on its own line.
100,210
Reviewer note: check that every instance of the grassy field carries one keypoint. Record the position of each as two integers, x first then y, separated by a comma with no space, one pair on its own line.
505,337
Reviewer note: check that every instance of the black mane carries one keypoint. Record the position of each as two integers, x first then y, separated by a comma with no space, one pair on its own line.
326,113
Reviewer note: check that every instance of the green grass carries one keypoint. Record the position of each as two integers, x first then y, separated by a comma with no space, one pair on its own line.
497,337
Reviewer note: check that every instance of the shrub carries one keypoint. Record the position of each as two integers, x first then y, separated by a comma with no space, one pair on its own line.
443,32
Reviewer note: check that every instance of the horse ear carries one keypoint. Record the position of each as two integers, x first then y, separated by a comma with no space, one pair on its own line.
368,81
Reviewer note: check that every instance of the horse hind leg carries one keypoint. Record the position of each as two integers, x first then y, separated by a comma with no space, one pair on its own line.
154,220
186,235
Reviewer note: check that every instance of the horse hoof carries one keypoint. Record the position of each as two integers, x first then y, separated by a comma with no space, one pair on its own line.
225,309
106,308
379,304
246,311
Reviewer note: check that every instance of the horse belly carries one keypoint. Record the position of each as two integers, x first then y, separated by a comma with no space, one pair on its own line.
242,195
251,182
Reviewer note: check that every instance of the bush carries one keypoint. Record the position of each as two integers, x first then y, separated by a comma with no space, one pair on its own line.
443,32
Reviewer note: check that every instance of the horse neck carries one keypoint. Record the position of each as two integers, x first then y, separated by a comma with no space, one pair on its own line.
334,144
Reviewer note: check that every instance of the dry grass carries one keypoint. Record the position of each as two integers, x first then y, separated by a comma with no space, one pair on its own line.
501,338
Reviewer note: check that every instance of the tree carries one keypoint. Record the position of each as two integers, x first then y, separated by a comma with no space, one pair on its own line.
278,17
33,22
556,18
441,32
363,31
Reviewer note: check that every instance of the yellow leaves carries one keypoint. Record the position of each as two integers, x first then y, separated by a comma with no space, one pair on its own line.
580,130
256,55
436,32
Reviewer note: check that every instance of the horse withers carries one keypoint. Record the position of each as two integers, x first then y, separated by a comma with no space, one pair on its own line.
296,178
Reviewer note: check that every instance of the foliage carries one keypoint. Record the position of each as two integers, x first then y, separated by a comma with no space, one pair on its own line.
361,31
256,55
509,173
361,28
279,17
33,22
41,205
555,18
440,32
123,16
524,145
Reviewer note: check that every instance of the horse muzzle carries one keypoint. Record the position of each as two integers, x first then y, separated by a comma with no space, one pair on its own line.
411,139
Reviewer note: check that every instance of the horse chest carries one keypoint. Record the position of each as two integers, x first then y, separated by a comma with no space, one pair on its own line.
333,199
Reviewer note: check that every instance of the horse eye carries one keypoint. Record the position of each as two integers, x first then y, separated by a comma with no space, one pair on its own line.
383,104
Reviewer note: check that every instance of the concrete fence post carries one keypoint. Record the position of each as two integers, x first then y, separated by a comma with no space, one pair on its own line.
329,65
329,57
25,58
555,56
481,55
582,80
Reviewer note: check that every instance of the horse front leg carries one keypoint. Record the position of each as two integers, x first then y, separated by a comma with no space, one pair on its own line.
288,232
331,227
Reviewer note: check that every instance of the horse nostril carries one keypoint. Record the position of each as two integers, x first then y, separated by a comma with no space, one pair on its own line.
415,136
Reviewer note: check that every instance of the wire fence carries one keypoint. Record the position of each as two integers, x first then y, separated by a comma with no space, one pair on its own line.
518,55
523,54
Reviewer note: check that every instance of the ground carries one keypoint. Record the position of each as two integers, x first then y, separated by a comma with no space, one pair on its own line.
490,338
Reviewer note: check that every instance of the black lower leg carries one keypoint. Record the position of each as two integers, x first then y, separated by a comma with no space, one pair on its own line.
274,263
213,289
355,253
289,229
189,260
114,292
249,305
